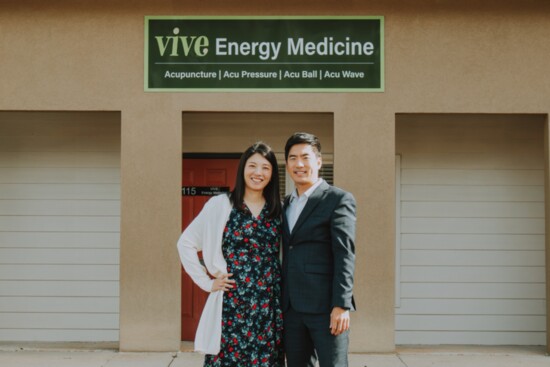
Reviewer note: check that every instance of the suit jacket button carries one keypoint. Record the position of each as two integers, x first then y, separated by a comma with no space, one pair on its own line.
290,247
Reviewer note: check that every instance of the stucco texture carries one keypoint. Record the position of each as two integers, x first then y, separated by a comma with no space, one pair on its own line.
440,57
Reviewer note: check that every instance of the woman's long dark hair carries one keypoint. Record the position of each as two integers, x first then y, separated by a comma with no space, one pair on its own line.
271,191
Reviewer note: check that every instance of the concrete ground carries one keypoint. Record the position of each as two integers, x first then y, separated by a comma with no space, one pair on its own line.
107,356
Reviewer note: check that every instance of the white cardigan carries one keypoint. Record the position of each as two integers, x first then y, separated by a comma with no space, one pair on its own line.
206,233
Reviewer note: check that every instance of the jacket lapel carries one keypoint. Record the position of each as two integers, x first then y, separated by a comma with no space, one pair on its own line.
312,202
285,218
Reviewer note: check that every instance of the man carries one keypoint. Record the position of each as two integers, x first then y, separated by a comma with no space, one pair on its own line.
318,261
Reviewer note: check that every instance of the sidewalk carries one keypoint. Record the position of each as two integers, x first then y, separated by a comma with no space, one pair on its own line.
452,356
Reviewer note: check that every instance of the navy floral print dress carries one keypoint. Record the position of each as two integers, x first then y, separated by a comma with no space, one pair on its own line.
252,320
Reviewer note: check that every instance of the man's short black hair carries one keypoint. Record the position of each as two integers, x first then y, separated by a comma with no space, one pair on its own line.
303,138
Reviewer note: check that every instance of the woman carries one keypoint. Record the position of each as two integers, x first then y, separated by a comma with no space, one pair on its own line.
241,324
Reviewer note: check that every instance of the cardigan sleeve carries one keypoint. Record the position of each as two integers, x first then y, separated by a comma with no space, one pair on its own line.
189,243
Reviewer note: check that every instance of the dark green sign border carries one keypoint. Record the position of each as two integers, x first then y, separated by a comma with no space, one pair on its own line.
325,90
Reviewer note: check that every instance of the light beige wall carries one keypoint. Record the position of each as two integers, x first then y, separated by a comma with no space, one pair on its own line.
59,226
206,132
471,190
468,56
547,223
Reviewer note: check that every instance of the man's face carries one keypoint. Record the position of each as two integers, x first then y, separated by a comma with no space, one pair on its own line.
303,165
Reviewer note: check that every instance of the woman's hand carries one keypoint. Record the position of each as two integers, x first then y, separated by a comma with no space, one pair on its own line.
223,283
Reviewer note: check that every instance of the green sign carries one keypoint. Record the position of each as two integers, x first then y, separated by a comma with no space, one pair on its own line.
293,54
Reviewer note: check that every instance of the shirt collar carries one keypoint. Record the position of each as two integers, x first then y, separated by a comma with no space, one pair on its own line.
308,192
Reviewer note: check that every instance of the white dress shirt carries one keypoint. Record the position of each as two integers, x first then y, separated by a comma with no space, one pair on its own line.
297,204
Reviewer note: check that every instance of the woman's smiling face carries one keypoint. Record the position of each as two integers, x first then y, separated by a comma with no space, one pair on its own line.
257,173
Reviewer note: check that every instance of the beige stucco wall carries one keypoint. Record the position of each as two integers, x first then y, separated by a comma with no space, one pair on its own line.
547,226
467,56
206,132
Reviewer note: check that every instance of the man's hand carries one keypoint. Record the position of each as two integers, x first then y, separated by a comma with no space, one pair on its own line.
339,320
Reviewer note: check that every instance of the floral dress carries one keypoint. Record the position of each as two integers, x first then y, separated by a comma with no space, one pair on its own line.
252,320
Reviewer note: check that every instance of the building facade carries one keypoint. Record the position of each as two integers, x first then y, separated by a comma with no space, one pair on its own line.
449,165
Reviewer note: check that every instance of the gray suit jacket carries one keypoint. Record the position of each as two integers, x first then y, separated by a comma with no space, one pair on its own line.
319,254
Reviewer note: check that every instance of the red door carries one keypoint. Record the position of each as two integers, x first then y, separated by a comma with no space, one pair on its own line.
199,173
